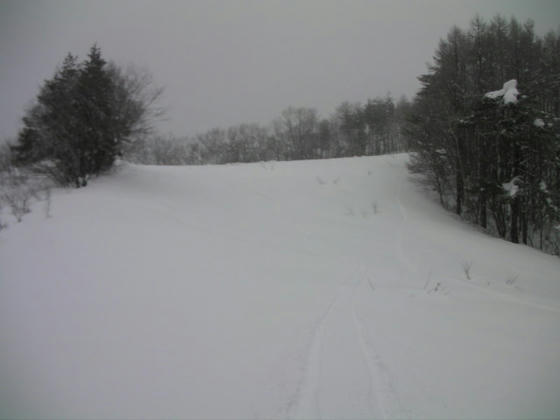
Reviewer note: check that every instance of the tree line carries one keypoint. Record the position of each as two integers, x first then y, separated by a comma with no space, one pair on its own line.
92,112
484,129
374,128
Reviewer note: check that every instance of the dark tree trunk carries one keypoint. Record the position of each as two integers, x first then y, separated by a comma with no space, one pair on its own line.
483,216
515,201
514,227
460,191
459,177
524,227
499,219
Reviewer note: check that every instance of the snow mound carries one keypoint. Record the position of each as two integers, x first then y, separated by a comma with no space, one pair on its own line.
508,92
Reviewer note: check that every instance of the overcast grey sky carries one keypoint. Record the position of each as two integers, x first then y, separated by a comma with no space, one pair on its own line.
227,62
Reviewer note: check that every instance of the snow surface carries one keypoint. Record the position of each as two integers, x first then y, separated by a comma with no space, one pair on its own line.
311,289
509,92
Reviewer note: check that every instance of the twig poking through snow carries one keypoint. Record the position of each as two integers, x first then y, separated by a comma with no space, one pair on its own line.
467,269
511,279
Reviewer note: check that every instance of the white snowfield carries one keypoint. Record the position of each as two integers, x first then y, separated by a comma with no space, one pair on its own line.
312,289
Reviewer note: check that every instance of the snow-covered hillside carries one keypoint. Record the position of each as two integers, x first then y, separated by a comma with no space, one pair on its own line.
311,289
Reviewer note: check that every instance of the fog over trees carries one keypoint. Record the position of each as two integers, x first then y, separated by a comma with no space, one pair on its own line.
482,132
298,133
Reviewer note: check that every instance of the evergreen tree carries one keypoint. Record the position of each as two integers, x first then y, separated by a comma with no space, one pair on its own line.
82,118
95,110
493,156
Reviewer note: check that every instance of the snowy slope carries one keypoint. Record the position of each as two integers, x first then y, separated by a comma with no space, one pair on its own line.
312,289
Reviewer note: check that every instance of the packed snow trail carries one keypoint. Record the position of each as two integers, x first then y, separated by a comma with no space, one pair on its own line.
360,387
310,289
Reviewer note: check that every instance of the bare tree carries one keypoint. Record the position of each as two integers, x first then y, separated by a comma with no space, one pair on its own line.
298,128
138,100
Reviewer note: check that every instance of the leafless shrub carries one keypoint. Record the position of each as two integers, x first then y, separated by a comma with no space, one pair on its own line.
48,201
18,187
16,192
428,280
2,224
511,279
466,265
349,211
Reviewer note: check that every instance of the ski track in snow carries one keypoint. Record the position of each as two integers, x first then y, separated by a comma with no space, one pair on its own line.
381,399
382,388
306,404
